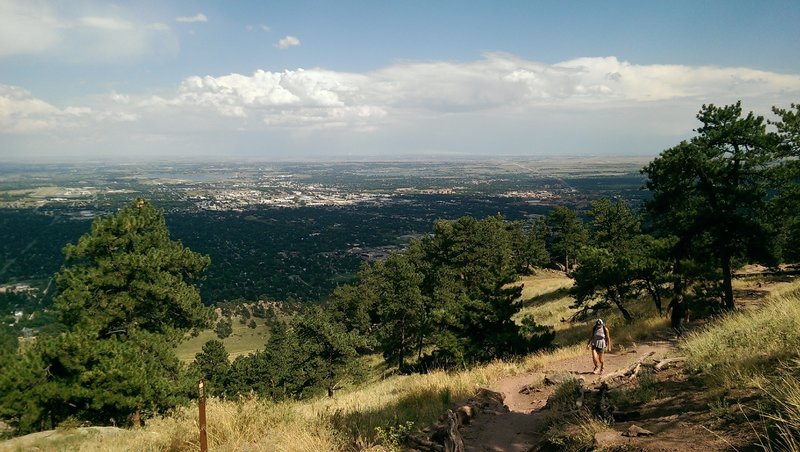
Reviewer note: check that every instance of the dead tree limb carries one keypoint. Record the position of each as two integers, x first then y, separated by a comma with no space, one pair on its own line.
424,444
623,375
664,363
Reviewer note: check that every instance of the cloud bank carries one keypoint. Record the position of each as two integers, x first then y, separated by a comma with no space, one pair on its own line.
499,103
76,35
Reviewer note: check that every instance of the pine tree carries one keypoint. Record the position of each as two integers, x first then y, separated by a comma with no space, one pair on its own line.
710,193
400,309
330,351
785,207
126,297
212,365
567,235
607,260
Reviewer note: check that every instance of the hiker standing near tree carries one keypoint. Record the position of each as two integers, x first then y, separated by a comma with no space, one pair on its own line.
679,313
599,342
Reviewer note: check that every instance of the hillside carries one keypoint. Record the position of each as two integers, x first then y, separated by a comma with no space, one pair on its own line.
701,404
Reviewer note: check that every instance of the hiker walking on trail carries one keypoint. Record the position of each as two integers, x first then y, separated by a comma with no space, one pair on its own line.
599,342
679,313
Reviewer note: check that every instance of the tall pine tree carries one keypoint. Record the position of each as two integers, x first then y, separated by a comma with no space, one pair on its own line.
710,193
126,296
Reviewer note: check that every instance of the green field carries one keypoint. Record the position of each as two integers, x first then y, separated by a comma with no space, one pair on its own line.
243,341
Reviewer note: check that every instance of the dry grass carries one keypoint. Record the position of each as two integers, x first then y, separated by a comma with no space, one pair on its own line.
546,297
347,421
785,420
573,432
758,351
745,346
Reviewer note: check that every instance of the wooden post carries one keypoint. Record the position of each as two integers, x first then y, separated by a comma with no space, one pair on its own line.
202,406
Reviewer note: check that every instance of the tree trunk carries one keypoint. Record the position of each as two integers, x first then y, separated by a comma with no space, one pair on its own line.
136,418
401,352
652,288
727,284
677,284
453,442
614,295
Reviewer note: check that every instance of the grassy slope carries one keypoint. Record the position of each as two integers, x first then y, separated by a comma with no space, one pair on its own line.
244,340
546,297
754,355
351,418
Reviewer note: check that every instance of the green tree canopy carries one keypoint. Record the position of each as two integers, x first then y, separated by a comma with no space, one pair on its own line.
330,351
786,205
608,260
127,275
401,310
213,365
711,193
126,297
567,235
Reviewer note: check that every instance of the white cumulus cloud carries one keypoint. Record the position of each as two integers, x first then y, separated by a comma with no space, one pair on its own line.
493,86
499,103
199,17
496,85
287,41
22,112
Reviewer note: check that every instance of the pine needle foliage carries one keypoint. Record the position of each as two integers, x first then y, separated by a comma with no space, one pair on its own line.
126,296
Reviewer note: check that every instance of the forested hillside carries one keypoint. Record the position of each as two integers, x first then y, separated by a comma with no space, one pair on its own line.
127,292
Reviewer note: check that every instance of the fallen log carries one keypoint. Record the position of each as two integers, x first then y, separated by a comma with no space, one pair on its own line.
623,375
424,444
634,430
664,363
452,440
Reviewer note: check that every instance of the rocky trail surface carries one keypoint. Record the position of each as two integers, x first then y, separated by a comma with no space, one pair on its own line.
677,420
518,429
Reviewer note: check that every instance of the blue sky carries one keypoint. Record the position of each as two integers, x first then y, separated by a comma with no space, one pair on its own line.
346,79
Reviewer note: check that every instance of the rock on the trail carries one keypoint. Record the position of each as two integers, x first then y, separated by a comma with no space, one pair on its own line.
634,431
465,413
529,389
488,394
607,439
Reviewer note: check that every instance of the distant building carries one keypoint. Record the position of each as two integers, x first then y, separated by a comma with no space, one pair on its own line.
21,288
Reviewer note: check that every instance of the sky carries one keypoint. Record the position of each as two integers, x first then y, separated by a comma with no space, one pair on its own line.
353,79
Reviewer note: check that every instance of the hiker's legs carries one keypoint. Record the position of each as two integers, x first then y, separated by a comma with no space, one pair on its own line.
597,357
677,326
600,358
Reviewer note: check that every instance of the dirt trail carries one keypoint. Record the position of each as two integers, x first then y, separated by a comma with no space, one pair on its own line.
517,430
